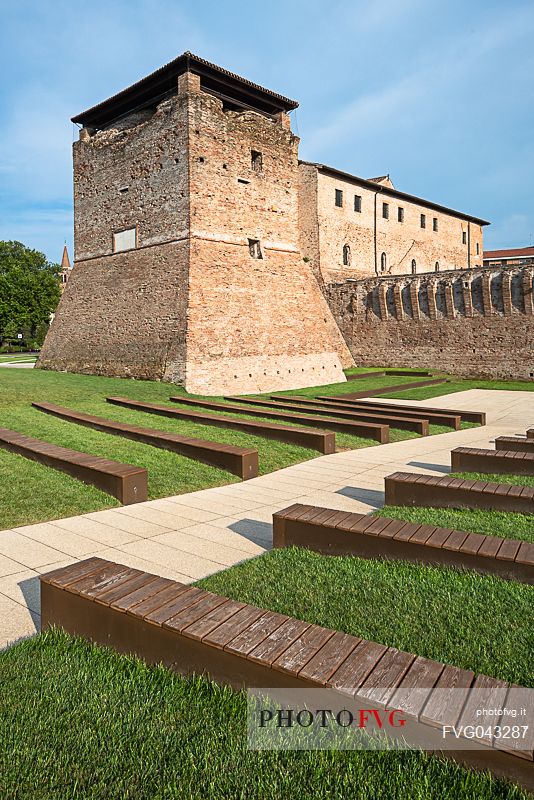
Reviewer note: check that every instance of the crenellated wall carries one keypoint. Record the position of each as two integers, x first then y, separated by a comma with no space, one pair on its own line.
477,322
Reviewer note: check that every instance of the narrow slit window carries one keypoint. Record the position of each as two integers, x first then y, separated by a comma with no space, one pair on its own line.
346,255
256,160
385,210
254,248
464,237
435,224
400,214
357,202
339,198
436,266
423,220
383,262
414,266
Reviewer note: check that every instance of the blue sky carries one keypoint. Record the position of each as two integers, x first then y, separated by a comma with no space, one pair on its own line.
437,94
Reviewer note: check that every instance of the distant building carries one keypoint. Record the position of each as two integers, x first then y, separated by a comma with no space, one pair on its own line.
66,268
513,257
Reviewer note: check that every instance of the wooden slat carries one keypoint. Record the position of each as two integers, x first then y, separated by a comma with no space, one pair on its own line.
172,607
443,708
355,669
155,600
148,589
208,623
491,693
329,658
252,636
221,636
386,676
60,577
134,581
103,578
274,645
302,650
178,622
416,686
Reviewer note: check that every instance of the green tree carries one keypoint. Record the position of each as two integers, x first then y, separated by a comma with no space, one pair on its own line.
29,291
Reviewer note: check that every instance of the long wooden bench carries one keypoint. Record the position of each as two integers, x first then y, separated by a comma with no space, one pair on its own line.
242,461
126,482
345,533
393,411
466,416
413,373
475,459
401,387
411,489
323,441
192,631
406,423
380,374
378,432
518,443
363,375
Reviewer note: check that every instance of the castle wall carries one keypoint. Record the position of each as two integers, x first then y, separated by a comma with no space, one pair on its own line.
476,323
400,241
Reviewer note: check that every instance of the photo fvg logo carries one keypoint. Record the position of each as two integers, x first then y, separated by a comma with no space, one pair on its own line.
361,718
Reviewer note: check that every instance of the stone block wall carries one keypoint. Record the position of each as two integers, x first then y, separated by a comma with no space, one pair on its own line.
470,323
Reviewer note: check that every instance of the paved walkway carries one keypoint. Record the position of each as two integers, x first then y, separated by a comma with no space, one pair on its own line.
192,535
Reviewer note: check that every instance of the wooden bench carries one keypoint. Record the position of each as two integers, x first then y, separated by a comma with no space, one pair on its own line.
466,416
379,432
401,387
393,411
381,373
333,532
242,461
363,375
413,373
412,489
323,441
475,459
316,407
192,631
126,482
518,443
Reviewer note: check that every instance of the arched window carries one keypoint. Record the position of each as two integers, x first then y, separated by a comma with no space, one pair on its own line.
414,266
436,266
346,255
383,262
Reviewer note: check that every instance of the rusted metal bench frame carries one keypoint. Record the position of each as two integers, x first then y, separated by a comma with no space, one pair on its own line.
412,489
466,415
362,419
126,482
504,462
331,532
242,461
323,441
192,631
379,432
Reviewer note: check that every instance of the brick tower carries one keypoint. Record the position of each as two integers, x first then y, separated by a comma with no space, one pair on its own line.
186,231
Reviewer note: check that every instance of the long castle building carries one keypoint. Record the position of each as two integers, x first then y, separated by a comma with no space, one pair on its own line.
205,252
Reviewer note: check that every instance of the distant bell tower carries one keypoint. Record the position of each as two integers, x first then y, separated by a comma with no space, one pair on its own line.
66,268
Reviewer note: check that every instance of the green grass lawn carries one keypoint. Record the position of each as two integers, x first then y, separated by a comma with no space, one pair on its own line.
492,523
34,493
82,722
473,621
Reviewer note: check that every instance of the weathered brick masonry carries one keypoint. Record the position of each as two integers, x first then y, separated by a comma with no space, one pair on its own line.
471,323
188,302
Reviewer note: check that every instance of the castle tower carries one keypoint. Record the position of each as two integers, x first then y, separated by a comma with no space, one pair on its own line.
186,231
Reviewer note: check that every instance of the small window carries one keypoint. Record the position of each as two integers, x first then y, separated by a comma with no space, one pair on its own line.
125,240
464,237
423,220
436,266
254,248
478,249
414,266
357,202
385,210
243,180
383,262
435,224
256,160
346,255
339,198
400,214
